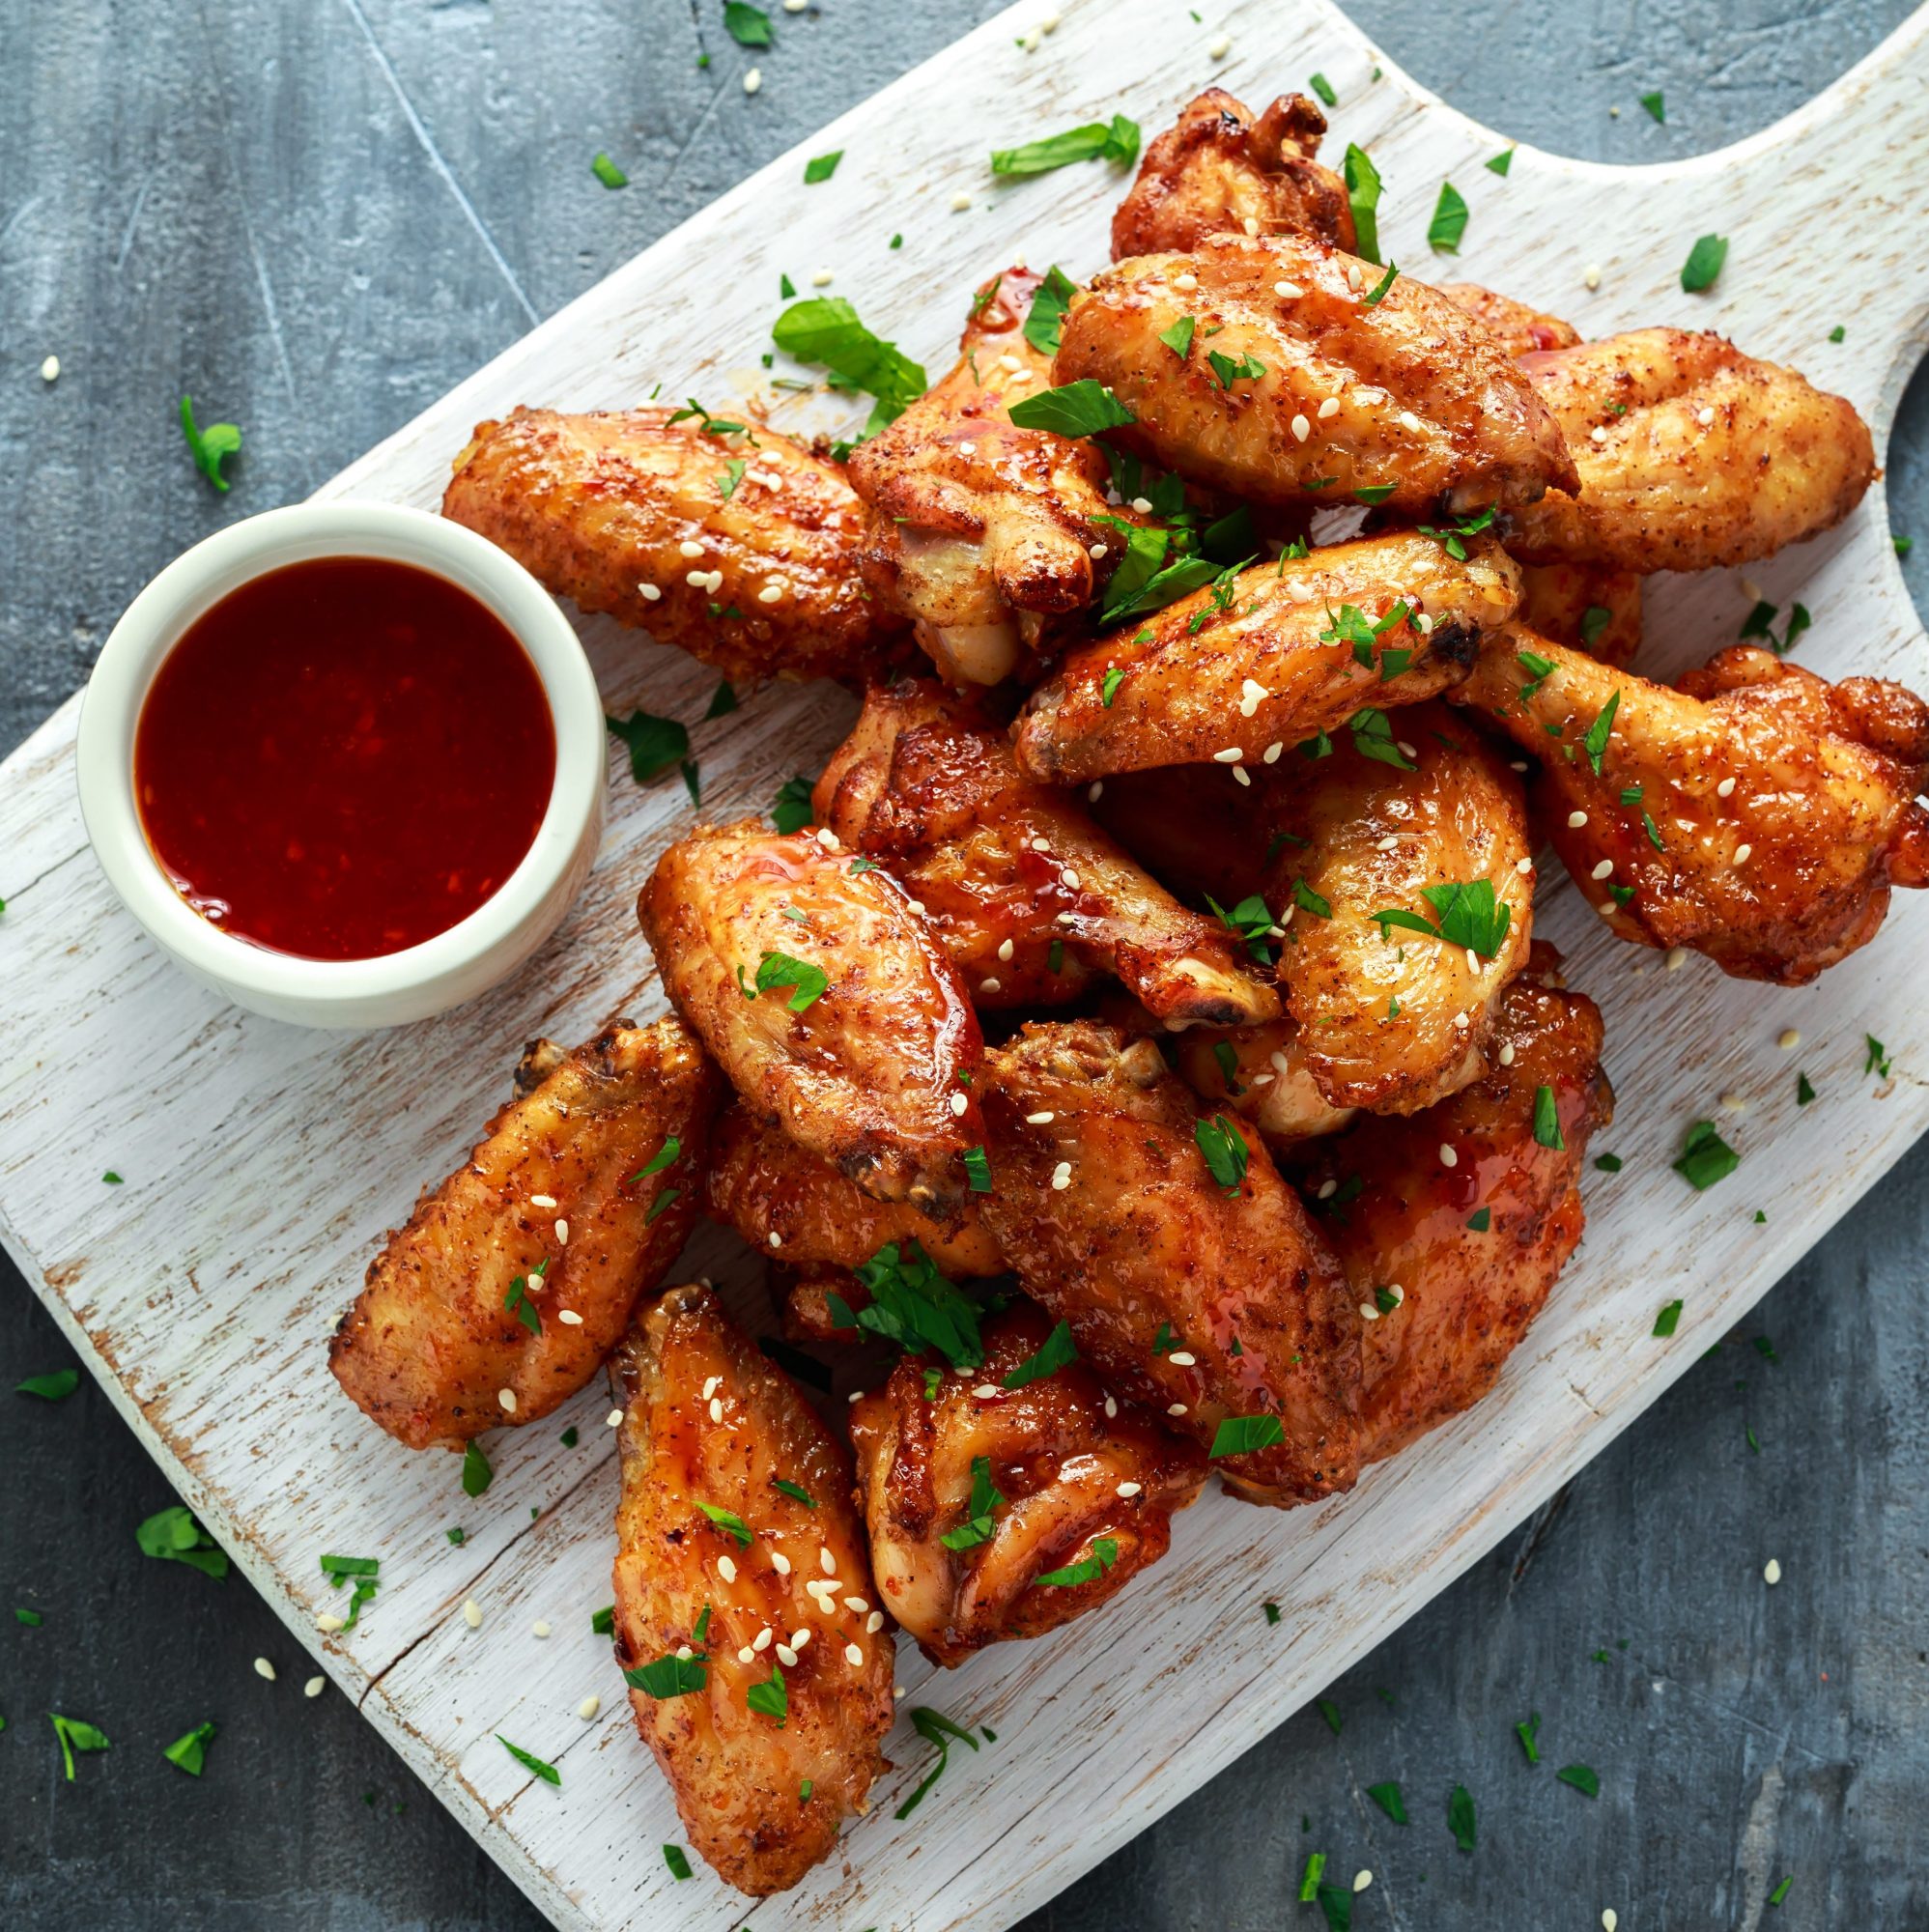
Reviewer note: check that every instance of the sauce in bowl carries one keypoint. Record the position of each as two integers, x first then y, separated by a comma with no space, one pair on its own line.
343,758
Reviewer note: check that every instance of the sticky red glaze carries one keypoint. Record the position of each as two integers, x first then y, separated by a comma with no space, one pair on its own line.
343,758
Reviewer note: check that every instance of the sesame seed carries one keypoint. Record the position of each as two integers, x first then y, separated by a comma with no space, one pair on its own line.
1221,47
327,1623
826,1562
1354,280
853,1656
1575,821
1725,789
648,592
1043,1120
1005,951
50,369
1448,1158
1181,1358
1061,1176
827,839
1704,417
716,1408
1111,1407
987,987
1095,789
1603,870
1771,1574
1128,1489
563,1233
314,1687
786,1656
960,202
1231,755
1607,908
539,1628
1361,1880
1398,1293
799,1638
1301,428
507,1398
1597,434
1049,24
1462,1021
917,906
1609,1920
1095,552
1368,1312
614,1417
986,1391
542,1200
1176,1408
776,1240
264,1668
1409,421
822,278
1516,764
1506,1054
1677,956
1270,756
873,1622
1143,505
746,1655
1788,1040
771,593
589,1707
1733,1103
697,579
1070,880
1743,853
856,1395
856,1605
684,1650
1523,867
689,547
472,1614
1041,844
779,1561
1327,1190
1406,749
754,80
958,1101
727,1568
1288,291
1251,224
711,1384
1593,276
1329,408
1185,283
897,1692
1244,777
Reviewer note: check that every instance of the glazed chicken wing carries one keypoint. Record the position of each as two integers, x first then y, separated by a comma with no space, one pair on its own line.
1212,1300
1291,383
800,1209
514,1279
1263,1074
1281,660
606,508
1028,895
1517,327
1690,454
1451,1264
977,529
1758,814
1393,1012
759,1672
1584,606
999,1512
1217,170
827,1001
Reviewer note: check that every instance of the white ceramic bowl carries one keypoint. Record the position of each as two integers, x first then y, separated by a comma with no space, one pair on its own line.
419,980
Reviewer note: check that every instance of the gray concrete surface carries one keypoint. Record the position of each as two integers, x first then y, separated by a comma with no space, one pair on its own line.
315,218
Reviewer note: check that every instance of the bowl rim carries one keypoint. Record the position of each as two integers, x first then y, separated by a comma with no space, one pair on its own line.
197,579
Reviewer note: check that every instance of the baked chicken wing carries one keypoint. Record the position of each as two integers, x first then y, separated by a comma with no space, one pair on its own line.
1030,898
761,1672
1291,381
1288,650
1517,327
1584,606
1451,1264
1758,814
998,1513
1691,455
1191,1276
978,529
514,1279
1217,169
827,1001
1409,910
738,546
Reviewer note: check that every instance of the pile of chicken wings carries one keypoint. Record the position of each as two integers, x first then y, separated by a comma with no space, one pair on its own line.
1144,1052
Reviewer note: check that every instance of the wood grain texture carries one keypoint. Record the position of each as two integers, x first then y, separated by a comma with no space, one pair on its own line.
214,1355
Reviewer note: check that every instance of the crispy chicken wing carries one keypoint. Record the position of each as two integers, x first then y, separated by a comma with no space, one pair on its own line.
1405,400
1451,1264
973,1499
827,1001
1585,606
1758,814
1217,169
1263,1074
1690,454
514,1279
1390,1018
1517,327
1207,1300
730,1589
603,508
1028,895
977,529
1282,660
799,1209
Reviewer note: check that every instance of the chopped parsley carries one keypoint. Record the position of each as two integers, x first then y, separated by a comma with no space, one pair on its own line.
1656,105
664,1157
1594,621
770,1698
1229,369
517,1301
1877,1062
677,1860
1451,540
937,1730
1450,221
728,1522
795,1491
1363,185
1704,263
1527,1733
656,743
1330,1711
366,1573
1595,743
1668,1321
55,1386
603,1622
1315,1866
1115,140
1044,320
1058,1351
75,1734
1372,738
1224,1150
607,172
1460,1817
1241,1435
1249,921
806,983
174,1536
1804,1093
1388,1798
1582,1776
915,1306
207,447
1308,901
1179,337
1481,1220
980,1522
1323,88
476,1474
826,330
190,1752
548,1772
1273,1613
1781,1891
1086,1569
748,26
1079,409
1470,913
1705,1157
1498,164
1548,1121
821,167
668,1677
977,1170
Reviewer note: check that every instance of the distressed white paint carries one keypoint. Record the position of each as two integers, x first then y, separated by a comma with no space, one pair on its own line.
263,1163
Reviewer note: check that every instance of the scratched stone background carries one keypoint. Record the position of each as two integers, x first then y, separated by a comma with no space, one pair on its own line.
318,217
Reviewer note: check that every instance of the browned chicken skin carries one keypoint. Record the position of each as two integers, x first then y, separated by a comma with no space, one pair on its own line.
1139,1238
1028,895
708,1422
1584,606
801,1211
1076,1478
1773,810
1406,399
1217,169
1450,1302
1273,669
860,1064
599,507
514,1279
1518,328
1263,1074
978,529
1391,1018
1690,454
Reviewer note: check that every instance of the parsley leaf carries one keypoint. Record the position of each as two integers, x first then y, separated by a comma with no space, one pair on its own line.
1499,163
677,1860
1230,369
656,743
985,1499
1113,140
1323,88
1460,1817
1372,738
1388,1798
1044,322
1078,408
770,1698
548,1772
1471,915
1595,743
55,1386
607,172
1704,263
75,1734
1582,1776
1088,1570
174,1536
1877,1062
1656,105
826,330
1450,221
1363,185
1249,921
748,26
207,447
1224,1150
790,811
1667,1319
190,1752
1705,1157
668,1677
728,1522
1240,1435
809,983
1056,1352
938,1730
915,1306
1179,337
821,167
1548,1119
1527,1733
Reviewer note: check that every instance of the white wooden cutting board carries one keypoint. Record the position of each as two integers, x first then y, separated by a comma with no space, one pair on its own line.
262,1162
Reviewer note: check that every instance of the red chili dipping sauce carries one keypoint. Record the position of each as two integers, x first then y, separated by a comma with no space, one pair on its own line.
343,758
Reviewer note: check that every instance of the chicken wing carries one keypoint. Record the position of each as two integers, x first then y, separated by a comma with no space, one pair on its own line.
1585,606
1409,910
1191,1276
604,509
1217,170
977,529
1263,1074
800,1209
1028,895
1691,455
1451,1264
1288,651
514,1279
1002,1512
1758,814
1517,327
1293,382
827,1001
760,1675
